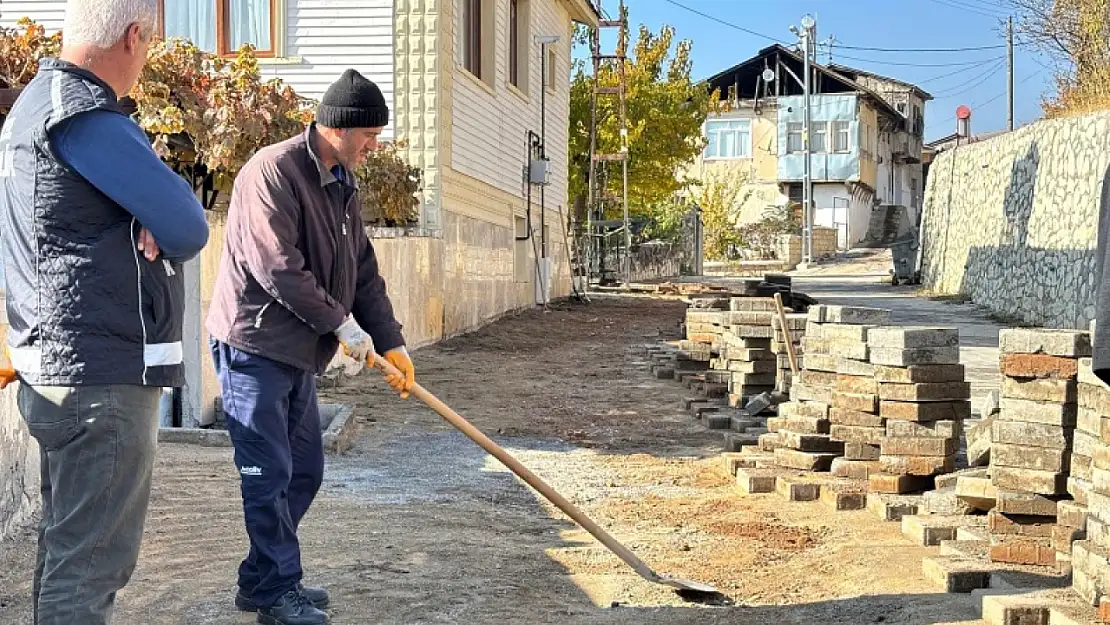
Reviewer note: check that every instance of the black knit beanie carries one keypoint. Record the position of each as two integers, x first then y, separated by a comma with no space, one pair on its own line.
353,102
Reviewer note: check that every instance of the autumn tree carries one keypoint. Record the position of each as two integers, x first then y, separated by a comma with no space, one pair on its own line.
717,195
1075,34
665,113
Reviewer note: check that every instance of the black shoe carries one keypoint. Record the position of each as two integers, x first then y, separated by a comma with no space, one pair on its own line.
293,608
318,597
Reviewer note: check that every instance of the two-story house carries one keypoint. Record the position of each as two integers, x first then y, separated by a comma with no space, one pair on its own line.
861,139
475,86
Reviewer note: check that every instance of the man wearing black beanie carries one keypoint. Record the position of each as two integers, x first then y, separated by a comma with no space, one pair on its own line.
298,278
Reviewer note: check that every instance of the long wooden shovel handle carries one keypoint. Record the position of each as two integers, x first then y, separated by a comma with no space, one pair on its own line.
516,467
787,336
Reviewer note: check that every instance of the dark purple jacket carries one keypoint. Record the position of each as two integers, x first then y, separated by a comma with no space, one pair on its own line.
296,261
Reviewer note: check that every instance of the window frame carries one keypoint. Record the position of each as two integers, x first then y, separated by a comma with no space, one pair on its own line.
472,37
795,129
840,127
744,148
519,65
223,22
819,129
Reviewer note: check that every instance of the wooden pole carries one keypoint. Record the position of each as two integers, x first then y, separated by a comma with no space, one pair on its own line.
787,335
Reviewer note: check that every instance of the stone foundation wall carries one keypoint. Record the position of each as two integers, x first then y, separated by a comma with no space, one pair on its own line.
1012,221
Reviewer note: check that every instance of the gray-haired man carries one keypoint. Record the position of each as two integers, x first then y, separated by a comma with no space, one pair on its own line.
94,229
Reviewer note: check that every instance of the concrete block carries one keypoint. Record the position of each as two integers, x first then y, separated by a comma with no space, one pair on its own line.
848,366
735,441
1041,435
927,411
752,331
1019,525
851,315
892,507
1027,457
821,362
1071,514
844,416
917,465
929,530
1038,366
203,437
857,434
1087,374
861,451
956,574
1049,413
1041,390
750,317
753,379
800,425
750,355
796,489
769,442
909,337
1080,490
922,356
988,404
1051,342
950,480
916,446
840,497
1029,480
919,374
966,548
758,403
752,367
1063,537
1016,609
804,409
818,378
853,469
1022,550
1088,421
757,304
859,385
754,481
898,484
811,442
859,403
925,391
943,501
978,493
1010,501
845,332
804,460
1094,398
979,441
929,429
717,421
981,534
803,392
741,423
663,372
731,461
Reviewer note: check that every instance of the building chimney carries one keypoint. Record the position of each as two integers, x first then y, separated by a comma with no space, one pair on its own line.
963,123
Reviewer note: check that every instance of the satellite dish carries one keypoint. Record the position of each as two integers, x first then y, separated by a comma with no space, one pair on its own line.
807,22
768,75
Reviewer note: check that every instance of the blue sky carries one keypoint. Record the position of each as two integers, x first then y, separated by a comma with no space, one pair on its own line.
975,78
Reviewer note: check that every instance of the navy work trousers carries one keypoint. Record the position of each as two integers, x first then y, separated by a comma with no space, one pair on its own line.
274,422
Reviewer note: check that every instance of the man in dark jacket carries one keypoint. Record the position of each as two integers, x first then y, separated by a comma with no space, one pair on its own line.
298,278
95,307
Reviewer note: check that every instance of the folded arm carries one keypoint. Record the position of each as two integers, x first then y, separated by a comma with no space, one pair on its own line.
114,155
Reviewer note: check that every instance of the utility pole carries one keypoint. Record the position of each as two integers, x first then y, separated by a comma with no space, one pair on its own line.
832,40
1010,72
809,30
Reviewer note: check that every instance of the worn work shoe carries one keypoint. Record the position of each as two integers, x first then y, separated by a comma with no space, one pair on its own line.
293,608
318,597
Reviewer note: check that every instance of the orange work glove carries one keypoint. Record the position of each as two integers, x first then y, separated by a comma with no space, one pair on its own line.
399,358
7,371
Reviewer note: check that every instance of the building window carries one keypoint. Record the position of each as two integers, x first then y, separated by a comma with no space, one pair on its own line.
819,142
518,44
552,68
475,42
794,137
222,26
728,138
472,36
842,139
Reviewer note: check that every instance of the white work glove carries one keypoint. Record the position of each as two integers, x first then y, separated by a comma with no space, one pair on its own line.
355,341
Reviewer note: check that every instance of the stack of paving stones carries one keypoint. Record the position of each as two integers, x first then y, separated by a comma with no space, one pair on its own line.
746,348
923,401
1090,551
1032,441
783,374
803,437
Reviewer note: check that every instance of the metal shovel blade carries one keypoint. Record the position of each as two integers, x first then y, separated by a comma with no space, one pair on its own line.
544,489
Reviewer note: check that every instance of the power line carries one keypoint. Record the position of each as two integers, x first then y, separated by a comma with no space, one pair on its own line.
978,62
997,97
968,86
842,47
952,4
959,71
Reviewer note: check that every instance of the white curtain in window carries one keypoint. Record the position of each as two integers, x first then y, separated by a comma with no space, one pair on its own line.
249,22
194,20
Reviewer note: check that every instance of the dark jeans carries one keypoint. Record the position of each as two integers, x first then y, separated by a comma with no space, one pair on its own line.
97,445
274,422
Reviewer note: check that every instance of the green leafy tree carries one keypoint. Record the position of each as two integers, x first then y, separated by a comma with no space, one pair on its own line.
718,195
665,113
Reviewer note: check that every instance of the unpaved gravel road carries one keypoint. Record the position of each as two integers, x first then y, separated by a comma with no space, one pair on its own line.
417,525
